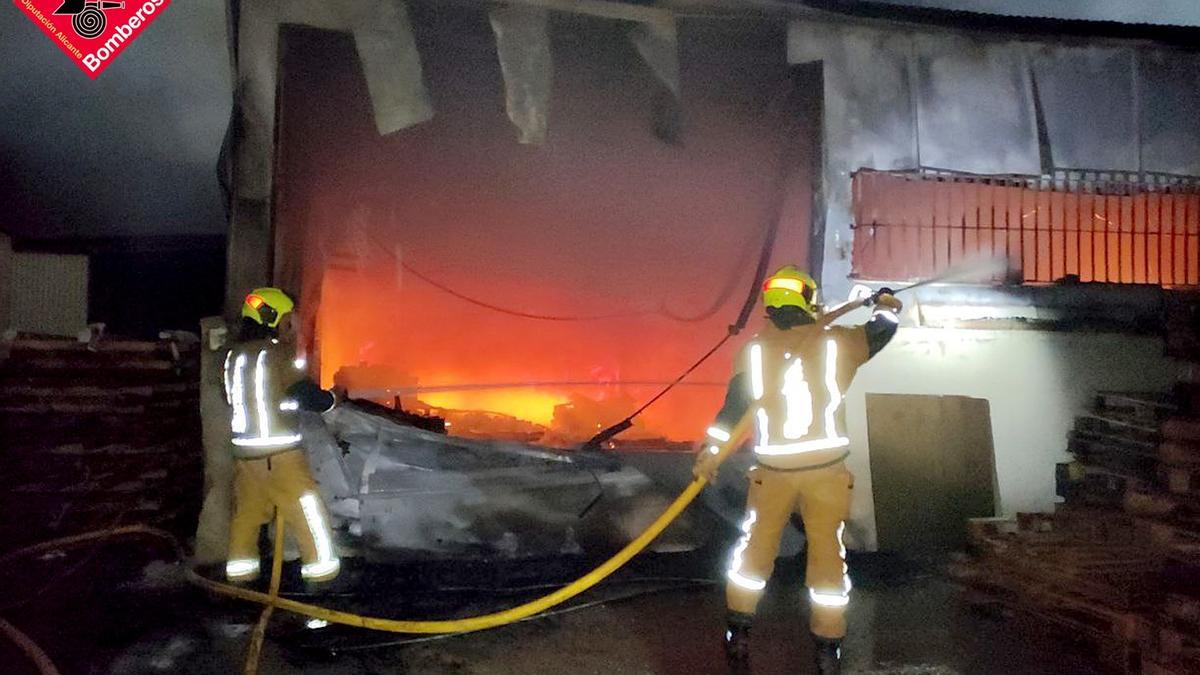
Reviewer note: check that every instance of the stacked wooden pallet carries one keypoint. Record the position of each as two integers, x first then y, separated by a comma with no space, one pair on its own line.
92,435
1081,570
1118,440
1176,489
1168,507
1167,510
1173,646
1142,454
1116,562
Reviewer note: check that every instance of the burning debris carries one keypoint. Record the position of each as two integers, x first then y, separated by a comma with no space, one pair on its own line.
573,418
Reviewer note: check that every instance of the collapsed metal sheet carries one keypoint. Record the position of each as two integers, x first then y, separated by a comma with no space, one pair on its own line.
523,46
658,44
398,491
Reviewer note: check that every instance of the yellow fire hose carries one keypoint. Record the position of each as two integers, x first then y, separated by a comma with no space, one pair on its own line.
272,601
260,629
78,539
44,665
471,623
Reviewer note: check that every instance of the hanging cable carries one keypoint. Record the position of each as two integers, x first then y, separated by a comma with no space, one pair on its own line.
513,312
595,442
727,290
787,160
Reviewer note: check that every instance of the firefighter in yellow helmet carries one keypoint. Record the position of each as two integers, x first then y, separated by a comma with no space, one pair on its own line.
787,389
266,384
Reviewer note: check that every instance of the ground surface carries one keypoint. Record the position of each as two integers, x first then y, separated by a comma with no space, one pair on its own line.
904,618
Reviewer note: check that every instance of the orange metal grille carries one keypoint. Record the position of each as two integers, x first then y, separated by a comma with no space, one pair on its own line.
1100,226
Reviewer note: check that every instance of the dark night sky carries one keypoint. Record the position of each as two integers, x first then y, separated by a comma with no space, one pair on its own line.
131,153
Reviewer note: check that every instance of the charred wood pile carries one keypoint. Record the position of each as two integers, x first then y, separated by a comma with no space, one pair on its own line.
97,434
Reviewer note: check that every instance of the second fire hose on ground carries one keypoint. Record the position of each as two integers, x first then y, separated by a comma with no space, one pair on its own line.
485,621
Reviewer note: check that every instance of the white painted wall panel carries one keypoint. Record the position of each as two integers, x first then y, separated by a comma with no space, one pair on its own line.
1035,382
49,293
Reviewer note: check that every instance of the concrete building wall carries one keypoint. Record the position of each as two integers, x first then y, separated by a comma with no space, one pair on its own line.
897,99
1169,89
974,105
869,117
1067,79
904,98
1035,382
49,293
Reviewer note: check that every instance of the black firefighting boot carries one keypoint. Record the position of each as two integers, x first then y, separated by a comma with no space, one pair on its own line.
828,655
737,643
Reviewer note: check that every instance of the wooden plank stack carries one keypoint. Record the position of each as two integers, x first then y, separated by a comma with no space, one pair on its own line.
1118,563
1169,505
1167,510
96,435
1079,570
1173,647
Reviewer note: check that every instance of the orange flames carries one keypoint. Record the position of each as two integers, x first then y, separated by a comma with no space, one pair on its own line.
603,219
471,365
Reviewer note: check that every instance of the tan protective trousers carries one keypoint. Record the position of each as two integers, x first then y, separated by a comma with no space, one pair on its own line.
282,481
822,499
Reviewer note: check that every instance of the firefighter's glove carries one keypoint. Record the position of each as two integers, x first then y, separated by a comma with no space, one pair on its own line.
885,300
706,464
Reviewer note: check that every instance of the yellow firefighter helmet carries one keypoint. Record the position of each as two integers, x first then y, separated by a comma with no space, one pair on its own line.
266,306
790,287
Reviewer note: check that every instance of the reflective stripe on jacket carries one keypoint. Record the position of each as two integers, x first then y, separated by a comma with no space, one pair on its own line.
796,380
263,417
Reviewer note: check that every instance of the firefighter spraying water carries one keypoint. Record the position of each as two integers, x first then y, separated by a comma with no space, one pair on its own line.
788,386
787,389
